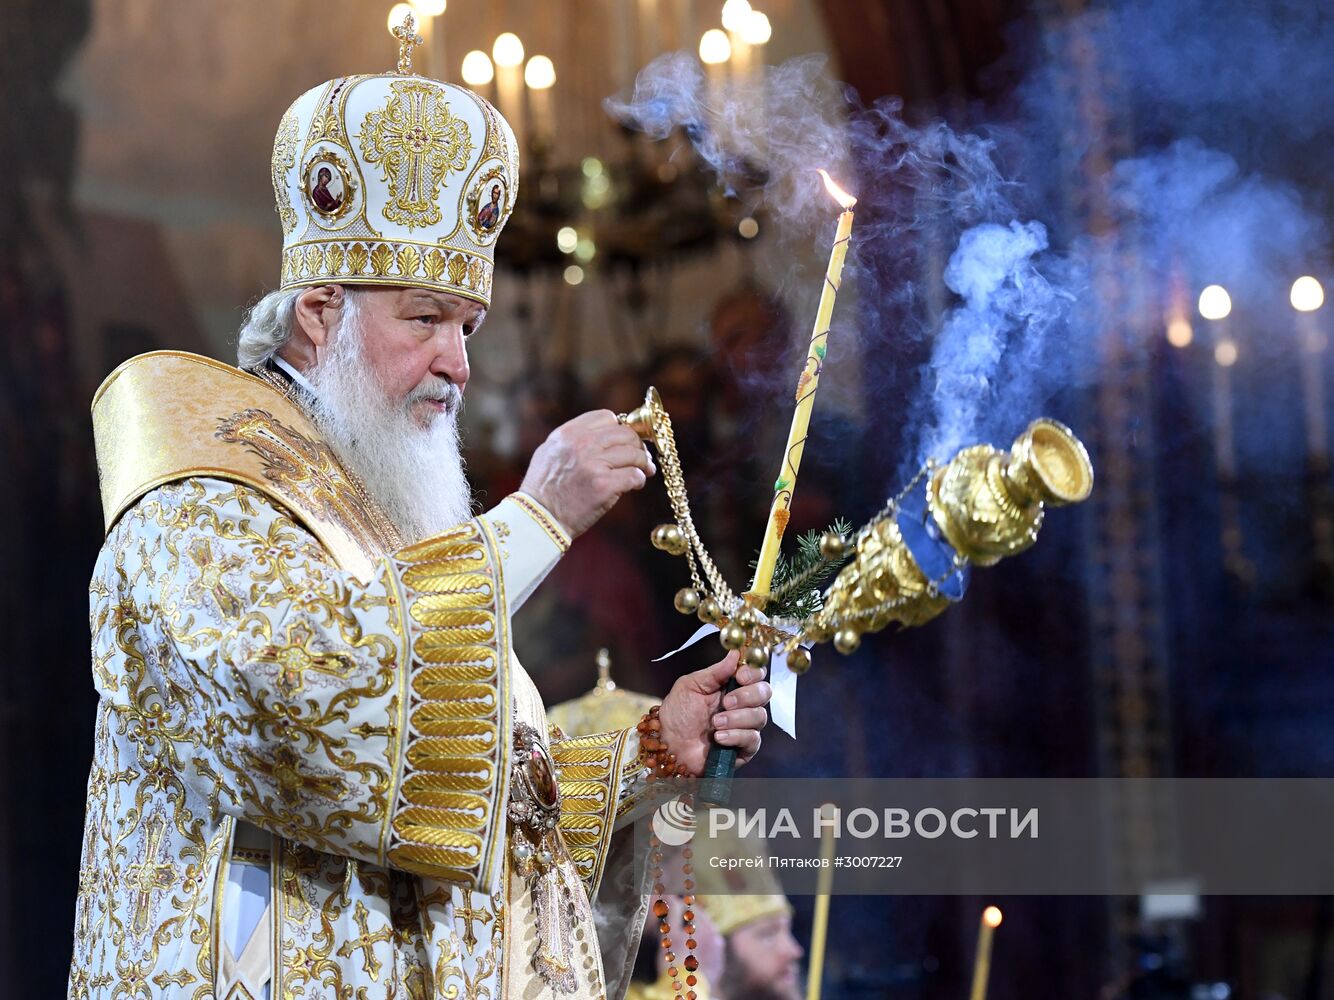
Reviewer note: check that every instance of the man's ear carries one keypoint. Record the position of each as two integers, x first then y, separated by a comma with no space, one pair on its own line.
315,313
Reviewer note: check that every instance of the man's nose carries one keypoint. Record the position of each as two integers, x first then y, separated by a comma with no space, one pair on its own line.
793,947
451,357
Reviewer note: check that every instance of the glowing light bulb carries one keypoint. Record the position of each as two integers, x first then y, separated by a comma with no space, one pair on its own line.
574,274
508,50
397,12
430,8
1179,333
1215,302
1307,295
992,916
715,47
540,73
477,69
757,30
735,13
567,238
1225,353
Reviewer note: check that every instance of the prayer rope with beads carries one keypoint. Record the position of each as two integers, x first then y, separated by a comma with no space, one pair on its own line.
663,766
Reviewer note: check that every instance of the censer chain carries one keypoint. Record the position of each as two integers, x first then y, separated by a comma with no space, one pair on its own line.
674,480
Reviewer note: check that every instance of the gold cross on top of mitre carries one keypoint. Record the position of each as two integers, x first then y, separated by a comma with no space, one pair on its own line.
407,36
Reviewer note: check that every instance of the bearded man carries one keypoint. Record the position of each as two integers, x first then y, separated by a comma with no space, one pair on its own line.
319,769
761,958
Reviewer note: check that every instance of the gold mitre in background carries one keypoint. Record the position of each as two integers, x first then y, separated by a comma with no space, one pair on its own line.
393,179
605,708
734,897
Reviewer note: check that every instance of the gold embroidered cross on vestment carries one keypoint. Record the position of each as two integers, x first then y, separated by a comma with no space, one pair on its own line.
149,874
366,942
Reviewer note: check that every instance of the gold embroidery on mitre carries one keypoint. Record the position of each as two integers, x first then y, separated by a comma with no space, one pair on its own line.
416,141
395,263
284,158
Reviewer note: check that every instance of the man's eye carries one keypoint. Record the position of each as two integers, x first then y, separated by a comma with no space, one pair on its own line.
428,320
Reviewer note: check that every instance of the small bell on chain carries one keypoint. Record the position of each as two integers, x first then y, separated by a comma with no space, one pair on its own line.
832,546
799,660
846,640
670,539
732,636
687,600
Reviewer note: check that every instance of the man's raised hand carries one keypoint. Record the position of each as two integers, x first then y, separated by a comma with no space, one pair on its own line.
584,467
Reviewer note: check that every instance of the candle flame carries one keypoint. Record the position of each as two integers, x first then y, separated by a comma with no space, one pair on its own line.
840,196
991,916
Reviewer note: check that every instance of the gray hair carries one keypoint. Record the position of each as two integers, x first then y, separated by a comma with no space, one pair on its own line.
270,322
267,327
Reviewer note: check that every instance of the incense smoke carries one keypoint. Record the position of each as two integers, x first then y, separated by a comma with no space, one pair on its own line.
1214,96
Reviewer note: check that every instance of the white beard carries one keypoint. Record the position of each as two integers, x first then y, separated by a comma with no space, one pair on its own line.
415,474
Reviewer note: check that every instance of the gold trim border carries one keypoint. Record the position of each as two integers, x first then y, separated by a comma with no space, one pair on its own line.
448,824
590,778
544,519
362,261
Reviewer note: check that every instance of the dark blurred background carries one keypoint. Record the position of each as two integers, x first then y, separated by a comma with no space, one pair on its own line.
1178,624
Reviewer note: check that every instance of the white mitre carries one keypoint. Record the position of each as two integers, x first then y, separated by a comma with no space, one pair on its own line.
393,179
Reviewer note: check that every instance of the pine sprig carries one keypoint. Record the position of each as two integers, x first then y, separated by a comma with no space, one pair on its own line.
807,565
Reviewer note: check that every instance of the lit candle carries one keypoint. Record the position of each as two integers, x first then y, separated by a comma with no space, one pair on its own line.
991,919
433,28
715,48
1216,305
508,56
823,889
1307,296
807,384
735,16
540,76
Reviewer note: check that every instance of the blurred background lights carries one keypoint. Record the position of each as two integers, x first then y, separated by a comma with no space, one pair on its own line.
597,191
1179,333
1225,353
1215,303
540,73
508,50
756,30
585,250
748,228
591,166
1307,295
477,69
735,15
430,8
566,239
714,47
574,275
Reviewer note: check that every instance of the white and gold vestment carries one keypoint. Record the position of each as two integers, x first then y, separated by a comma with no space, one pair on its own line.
283,686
